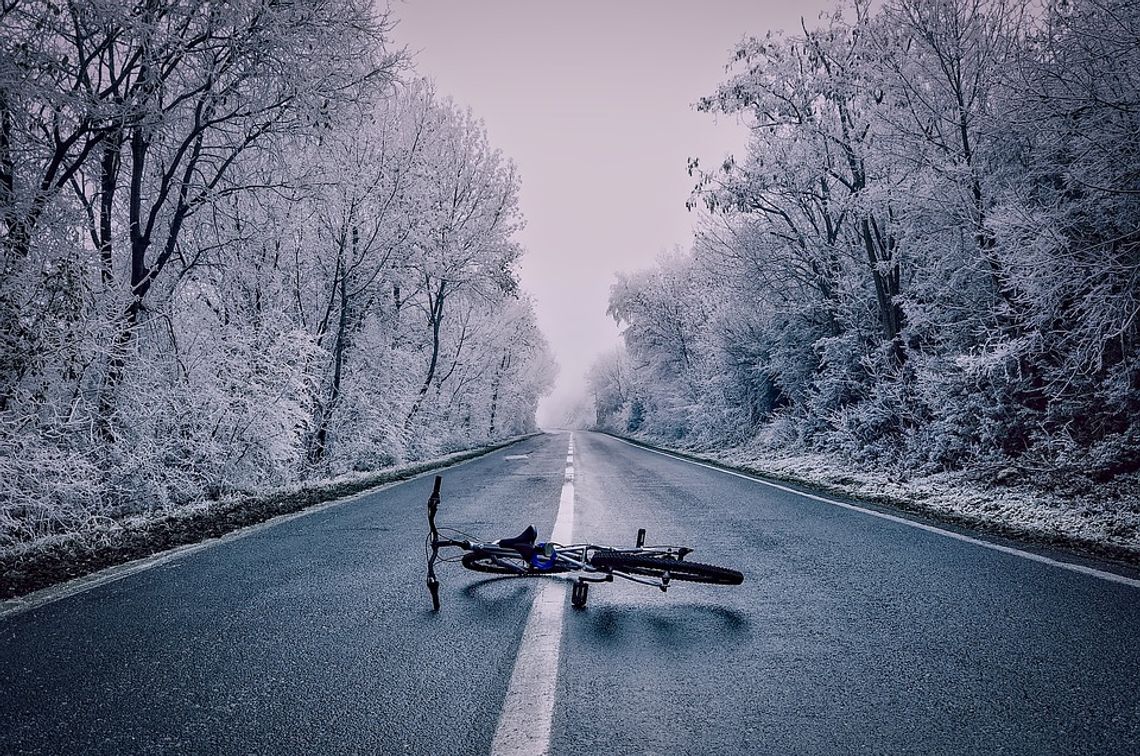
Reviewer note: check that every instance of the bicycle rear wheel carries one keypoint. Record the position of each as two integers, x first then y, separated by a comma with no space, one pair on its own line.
506,564
658,566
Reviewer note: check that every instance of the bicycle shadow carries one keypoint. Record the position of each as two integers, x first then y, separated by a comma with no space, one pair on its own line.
680,625
493,597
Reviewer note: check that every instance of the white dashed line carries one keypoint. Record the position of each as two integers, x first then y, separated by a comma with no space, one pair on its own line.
528,712
1082,569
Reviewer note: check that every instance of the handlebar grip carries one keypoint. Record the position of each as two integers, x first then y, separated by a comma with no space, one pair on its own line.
433,500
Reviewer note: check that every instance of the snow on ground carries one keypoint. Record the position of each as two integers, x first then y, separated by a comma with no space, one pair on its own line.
1100,517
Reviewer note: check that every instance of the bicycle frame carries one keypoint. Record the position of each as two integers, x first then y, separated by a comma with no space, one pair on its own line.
575,558
546,559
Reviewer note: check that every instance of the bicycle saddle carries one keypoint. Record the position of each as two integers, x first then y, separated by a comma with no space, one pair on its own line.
525,539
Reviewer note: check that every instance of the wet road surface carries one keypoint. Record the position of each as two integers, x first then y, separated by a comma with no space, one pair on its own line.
850,634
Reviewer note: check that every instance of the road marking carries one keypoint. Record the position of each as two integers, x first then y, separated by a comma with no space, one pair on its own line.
517,456
1112,577
528,711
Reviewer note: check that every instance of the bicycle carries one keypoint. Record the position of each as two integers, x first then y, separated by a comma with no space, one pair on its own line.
524,556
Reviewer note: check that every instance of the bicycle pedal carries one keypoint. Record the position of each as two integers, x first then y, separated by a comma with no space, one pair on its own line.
579,594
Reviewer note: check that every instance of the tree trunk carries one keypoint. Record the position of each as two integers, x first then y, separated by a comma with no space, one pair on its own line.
880,255
435,315
108,180
504,364
319,446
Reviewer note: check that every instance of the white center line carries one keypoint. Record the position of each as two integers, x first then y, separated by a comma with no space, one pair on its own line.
1112,577
528,711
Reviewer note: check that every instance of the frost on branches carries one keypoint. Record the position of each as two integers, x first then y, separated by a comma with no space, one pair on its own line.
928,260
241,245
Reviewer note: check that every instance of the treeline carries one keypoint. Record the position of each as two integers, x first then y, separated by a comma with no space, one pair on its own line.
242,245
928,258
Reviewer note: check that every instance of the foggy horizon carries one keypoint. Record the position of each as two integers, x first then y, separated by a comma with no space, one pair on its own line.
594,102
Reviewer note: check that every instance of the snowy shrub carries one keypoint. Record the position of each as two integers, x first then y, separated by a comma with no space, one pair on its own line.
47,488
321,280
909,265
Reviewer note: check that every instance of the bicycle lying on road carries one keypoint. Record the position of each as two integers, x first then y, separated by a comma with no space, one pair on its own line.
523,556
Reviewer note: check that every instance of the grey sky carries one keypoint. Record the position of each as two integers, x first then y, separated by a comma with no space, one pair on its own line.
593,100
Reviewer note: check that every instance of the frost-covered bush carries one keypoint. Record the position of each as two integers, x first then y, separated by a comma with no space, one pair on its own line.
310,269
928,256
47,487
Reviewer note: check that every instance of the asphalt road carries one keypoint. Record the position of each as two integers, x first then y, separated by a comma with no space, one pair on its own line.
851,634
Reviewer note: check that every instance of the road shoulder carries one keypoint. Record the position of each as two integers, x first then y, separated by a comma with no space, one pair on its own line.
152,540
1047,538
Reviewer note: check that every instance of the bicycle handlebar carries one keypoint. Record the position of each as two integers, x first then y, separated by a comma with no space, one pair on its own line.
433,505
433,538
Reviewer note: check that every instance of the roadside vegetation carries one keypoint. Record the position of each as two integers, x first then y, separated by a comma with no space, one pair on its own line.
926,267
66,555
243,246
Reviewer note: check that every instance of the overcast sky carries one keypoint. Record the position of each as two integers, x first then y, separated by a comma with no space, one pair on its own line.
593,99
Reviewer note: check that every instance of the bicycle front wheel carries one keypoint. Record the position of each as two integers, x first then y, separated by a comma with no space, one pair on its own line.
506,564
658,566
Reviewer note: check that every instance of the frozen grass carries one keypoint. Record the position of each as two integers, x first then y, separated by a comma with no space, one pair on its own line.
1100,518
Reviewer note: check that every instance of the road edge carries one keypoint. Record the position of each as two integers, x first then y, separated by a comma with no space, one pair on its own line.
1083,548
210,527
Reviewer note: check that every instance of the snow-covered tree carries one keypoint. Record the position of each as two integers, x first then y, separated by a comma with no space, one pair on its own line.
927,256
240,244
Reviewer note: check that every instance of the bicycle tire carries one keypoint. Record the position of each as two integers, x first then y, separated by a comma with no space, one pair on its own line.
498,564
657,566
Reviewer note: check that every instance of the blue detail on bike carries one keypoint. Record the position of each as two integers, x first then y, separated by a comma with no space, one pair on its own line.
537,561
